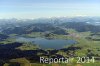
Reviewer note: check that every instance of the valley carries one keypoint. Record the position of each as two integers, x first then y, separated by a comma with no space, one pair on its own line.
25,41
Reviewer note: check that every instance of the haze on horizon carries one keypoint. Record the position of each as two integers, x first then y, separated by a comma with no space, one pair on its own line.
48,8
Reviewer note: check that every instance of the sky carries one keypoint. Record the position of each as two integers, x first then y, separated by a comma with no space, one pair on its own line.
48,8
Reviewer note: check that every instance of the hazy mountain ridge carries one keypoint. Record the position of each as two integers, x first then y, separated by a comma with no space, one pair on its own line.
81,24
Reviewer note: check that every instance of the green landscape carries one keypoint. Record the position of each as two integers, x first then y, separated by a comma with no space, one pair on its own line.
25,51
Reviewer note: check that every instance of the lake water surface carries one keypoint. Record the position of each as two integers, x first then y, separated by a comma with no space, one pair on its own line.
47,43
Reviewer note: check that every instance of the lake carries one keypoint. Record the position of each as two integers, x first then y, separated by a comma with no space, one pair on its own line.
44,43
